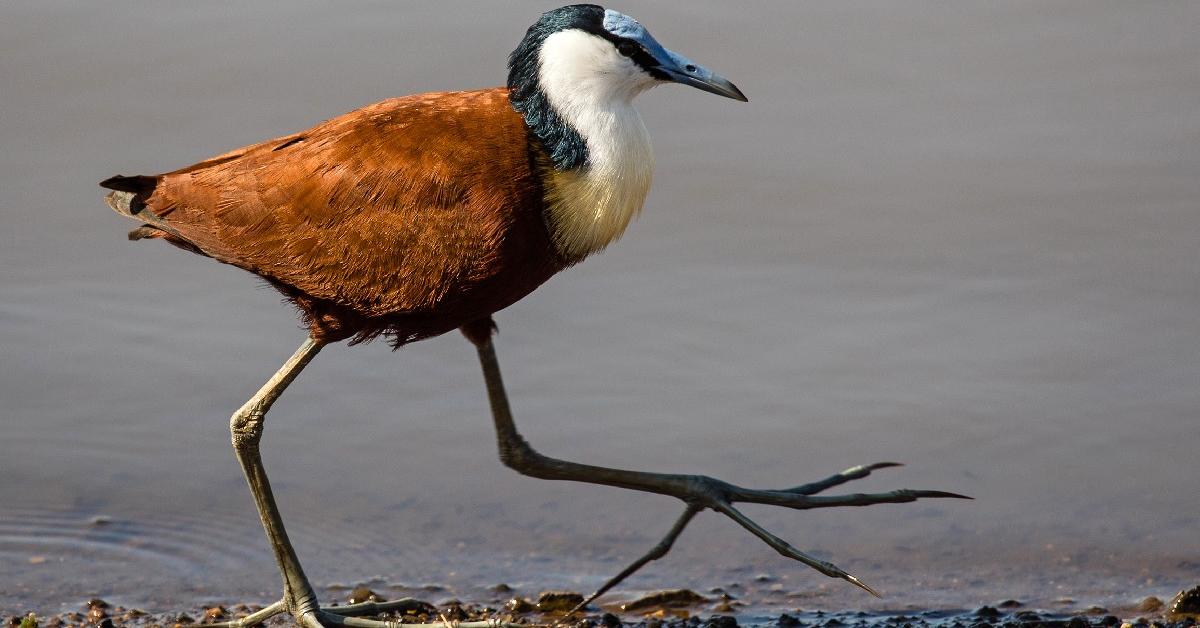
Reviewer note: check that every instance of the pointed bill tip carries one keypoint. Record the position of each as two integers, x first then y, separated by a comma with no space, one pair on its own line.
884,465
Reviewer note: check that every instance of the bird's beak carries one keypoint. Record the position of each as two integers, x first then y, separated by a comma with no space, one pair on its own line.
680,69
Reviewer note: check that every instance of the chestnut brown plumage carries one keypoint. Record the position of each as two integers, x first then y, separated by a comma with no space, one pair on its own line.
419,215
410,217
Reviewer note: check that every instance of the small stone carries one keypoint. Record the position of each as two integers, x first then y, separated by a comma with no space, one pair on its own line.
787,621
986,611
671,598
214,614
96,613
764,577
107,622
1010,604
502,588
184,618
454,612
363,594
558,601
519,605
721,621
608,620
97,603
1109,620
100,520
1028,616
1149,605
1186,605
723,607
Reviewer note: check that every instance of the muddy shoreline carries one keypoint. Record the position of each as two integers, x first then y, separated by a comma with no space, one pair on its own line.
672,608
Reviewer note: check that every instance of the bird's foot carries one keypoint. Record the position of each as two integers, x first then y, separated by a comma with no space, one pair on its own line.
703,492
354,616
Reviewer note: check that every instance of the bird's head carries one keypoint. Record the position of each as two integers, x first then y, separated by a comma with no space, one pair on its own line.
584,55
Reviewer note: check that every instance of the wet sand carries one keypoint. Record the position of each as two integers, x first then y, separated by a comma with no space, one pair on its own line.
961,236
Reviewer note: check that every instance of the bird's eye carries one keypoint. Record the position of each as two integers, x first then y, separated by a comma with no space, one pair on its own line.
627,48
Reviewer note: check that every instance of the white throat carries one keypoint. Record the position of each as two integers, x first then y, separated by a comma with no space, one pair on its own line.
591,86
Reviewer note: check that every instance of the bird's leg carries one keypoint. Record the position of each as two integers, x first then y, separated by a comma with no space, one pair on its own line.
698,492
299,600
246,427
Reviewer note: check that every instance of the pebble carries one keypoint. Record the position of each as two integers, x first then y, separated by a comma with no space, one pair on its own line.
519,605
1010,604
721,621
214,614
454,613
1150,605
363,594
608,620
671,598
558,601
1186,605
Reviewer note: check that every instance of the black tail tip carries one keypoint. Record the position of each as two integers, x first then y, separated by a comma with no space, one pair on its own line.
138,184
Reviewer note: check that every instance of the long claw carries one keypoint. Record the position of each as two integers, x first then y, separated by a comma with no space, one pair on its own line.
853,473
784,548
862,585
942,494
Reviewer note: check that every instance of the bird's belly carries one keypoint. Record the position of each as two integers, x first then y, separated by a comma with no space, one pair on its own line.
513,263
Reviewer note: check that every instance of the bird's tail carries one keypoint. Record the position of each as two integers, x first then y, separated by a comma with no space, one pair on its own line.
128,198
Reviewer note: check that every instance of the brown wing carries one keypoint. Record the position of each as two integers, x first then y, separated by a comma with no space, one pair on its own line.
392,208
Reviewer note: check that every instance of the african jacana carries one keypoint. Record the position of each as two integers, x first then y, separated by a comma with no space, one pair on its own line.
419,215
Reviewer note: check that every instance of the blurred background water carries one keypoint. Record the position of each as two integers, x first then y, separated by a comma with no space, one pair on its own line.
959,235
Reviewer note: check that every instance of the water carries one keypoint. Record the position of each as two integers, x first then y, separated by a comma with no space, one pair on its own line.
962,236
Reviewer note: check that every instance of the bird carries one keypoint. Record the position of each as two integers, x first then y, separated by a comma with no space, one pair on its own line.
424,214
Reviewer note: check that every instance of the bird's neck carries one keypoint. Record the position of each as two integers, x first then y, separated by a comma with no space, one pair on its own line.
600,160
